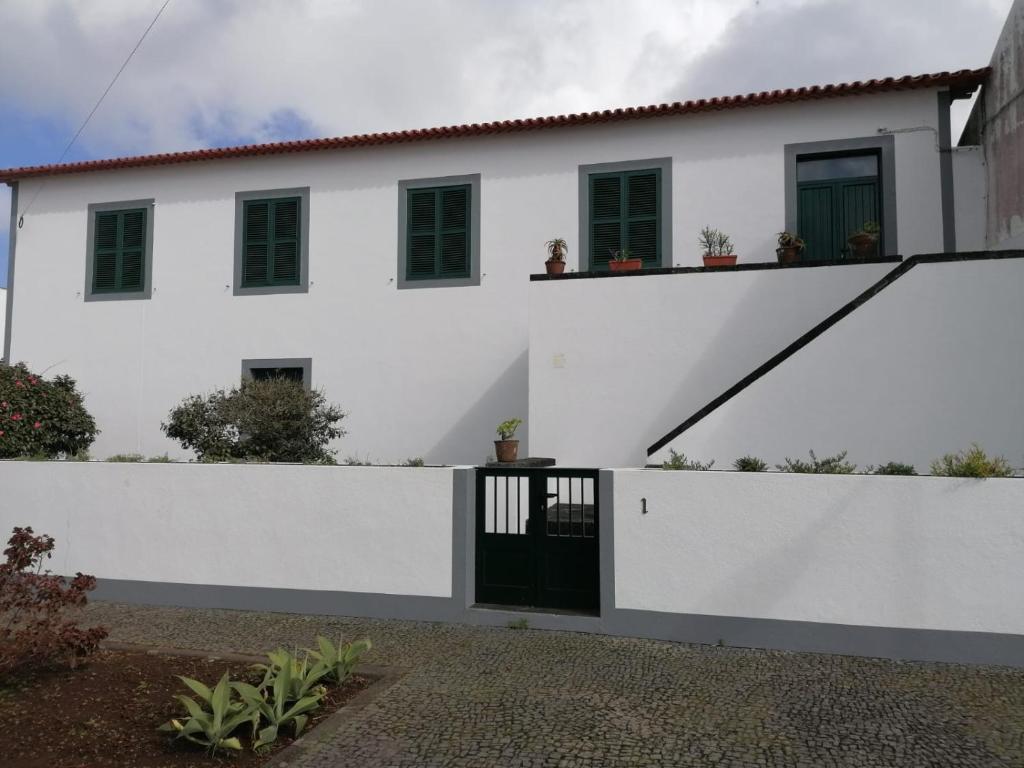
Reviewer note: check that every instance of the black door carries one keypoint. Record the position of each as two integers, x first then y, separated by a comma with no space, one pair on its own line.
536,538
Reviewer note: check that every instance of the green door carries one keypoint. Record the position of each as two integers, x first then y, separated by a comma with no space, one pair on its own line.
836,195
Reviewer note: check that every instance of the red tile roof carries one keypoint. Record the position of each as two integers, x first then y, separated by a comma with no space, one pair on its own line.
961,79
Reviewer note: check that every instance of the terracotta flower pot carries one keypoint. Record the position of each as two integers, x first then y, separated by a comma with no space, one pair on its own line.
863,246
720,261
554,267
789,254
629,265
506,450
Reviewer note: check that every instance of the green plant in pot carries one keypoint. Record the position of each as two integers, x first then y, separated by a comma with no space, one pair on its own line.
864,244
623,260
506,449
717,248
790,248
557,248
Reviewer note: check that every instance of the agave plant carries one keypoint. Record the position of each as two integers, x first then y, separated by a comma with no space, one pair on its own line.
211,727
339,659
301,677
276,700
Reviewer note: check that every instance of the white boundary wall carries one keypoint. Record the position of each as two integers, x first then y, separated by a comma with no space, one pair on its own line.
927,553
385,530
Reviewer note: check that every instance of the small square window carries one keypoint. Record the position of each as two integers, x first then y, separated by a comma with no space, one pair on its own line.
298,369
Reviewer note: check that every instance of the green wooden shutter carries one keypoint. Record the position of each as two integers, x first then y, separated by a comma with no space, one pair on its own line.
815,221
438,233
606,231
625,212
643,202
119,251
829,211
859,203
272,242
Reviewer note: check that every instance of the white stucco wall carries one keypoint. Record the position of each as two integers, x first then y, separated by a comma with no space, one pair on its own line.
3,316
969,195
422,372
929,553
924,368
355,529
615,363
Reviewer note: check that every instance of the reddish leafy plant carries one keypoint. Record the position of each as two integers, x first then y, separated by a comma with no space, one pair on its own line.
37,622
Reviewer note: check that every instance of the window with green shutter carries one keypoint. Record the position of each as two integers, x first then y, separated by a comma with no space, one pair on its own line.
625,213
119,251
271,247
438,233
836,195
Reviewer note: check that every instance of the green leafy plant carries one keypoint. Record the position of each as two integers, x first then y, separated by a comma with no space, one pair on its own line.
302,677
416,462
830,465
715,242
281,700
339,659
518,624
40,417
212,725
789,240
973,462
623,254
892,468
749,464
870,228
165,459
679,461
557,248
507,429
126,458
266,420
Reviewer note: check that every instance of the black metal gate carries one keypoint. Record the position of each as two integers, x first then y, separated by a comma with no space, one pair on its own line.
536,538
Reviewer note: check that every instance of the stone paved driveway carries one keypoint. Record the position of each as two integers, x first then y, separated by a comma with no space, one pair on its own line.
478,696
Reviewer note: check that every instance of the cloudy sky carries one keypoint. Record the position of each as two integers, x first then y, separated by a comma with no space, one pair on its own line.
222,72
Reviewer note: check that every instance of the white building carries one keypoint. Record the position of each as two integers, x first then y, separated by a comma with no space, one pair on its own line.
393,270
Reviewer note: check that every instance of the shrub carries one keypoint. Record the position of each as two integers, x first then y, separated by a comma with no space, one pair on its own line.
749,464
973,462
679,461
41,418
830,465
415,462
268,420
892,468
35,626
126,458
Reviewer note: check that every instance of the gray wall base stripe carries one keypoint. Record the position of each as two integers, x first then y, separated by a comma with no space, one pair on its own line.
882,642
274,600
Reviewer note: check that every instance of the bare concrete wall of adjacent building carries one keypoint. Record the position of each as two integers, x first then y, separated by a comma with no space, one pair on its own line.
1003,135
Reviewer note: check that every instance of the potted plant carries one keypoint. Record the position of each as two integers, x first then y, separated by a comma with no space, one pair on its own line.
624,261
507,449
863,244
790,248
717,248
557,248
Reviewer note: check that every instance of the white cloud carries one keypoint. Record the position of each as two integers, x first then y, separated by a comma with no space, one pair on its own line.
265,69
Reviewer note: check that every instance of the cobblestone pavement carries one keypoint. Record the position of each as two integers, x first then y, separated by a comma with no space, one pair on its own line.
476,696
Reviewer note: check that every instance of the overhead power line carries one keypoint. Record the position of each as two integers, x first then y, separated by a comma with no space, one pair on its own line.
96,106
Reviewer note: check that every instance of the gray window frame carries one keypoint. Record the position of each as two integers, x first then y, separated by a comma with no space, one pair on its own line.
404,185
305,363
147,262
264,194
664,164
884,144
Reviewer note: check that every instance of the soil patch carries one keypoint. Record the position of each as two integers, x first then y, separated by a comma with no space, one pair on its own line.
105,713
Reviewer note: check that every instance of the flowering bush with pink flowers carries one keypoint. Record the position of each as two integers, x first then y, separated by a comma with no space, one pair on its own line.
40,417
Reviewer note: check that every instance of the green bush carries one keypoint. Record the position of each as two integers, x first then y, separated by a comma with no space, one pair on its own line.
126,458
973,462
892,468
41,418
830,465
269,420
749,464
679,461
